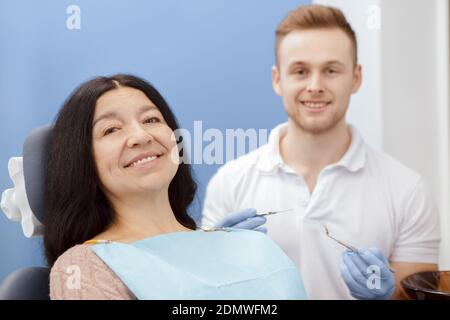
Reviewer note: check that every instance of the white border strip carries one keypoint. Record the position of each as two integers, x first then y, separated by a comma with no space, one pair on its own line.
443,65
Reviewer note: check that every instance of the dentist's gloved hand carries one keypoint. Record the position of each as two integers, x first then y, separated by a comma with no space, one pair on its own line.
367,274
244,219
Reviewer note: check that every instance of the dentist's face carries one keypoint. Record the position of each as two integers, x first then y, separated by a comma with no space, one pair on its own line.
132,144
316,76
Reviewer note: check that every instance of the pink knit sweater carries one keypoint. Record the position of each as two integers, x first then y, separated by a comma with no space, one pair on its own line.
80,274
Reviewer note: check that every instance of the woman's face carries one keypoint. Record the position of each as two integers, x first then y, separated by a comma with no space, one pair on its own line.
132,144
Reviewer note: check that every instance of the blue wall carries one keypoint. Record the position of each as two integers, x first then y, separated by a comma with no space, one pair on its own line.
211,59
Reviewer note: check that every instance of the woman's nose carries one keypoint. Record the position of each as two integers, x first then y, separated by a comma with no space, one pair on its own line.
138,136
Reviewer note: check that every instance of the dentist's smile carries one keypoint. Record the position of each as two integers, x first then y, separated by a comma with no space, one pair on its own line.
315,106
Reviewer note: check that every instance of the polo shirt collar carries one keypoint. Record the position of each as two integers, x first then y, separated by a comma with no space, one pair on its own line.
270,159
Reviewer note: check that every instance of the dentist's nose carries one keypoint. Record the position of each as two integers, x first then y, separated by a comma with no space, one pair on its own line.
139,136
315,84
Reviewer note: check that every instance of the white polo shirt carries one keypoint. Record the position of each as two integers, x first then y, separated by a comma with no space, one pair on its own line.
366,199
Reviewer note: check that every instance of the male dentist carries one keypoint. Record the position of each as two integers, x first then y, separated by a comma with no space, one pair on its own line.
319,166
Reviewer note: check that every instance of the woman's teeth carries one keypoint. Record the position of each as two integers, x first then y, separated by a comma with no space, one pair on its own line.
145,160
315,104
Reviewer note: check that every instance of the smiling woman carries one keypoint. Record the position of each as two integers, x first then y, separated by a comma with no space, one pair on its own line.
81,152
116,224
132,145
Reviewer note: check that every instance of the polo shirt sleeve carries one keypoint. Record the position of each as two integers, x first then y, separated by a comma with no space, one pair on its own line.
218,199
418,232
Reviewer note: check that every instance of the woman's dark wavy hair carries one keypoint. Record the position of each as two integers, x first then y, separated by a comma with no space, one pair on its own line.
76,207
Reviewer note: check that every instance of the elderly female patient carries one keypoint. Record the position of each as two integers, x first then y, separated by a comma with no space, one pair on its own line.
116,209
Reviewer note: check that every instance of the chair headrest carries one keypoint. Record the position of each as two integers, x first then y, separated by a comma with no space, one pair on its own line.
25,202
29,283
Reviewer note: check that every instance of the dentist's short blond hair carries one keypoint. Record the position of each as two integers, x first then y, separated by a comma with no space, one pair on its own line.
315,17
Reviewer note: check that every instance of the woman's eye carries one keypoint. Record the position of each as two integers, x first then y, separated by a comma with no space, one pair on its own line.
331,71
110,130
301,72
152,120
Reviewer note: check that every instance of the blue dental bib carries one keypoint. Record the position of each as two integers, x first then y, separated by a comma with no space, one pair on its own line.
230,264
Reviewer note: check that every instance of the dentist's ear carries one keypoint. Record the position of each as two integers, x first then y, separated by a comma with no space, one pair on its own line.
276,80
357,78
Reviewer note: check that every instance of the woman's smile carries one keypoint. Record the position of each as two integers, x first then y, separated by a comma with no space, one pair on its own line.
144,163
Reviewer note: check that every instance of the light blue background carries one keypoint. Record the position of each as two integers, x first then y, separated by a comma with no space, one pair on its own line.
211,60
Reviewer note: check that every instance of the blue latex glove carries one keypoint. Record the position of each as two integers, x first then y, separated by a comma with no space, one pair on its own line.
244,219
367,274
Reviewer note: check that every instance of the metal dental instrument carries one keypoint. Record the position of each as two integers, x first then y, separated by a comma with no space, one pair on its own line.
352,248
261,214
209,229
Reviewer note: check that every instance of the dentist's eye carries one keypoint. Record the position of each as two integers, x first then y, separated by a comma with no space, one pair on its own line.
301,72
110,130
152,120
331,71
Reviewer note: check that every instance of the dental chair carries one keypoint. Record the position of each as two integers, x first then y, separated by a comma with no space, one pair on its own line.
25,203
